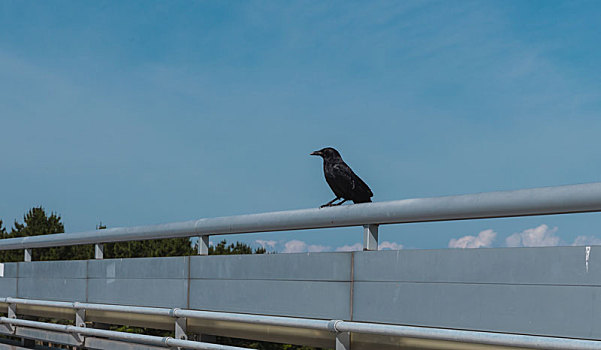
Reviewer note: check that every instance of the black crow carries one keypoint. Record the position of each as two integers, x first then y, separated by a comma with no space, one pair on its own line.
342,180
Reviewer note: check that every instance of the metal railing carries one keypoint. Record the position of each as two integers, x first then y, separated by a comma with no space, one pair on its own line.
537,201
339,328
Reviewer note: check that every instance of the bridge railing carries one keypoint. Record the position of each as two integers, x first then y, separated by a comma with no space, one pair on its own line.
536,201
338,328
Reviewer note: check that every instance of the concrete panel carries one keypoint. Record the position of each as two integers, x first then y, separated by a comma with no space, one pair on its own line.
302,266
570,311
8,287
313,299
8,270
139,292
172,267
50,336
549,265
53,269
57,289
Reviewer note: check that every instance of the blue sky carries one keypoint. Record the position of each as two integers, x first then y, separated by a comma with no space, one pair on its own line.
135,113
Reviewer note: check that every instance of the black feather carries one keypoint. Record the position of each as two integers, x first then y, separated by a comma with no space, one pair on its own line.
341,178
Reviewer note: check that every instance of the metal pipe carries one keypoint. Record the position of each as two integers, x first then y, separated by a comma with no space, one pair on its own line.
255,319
537,201
132,337
538,342
504,339
156,311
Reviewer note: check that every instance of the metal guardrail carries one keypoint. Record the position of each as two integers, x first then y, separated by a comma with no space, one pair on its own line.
340,329
537,201
80,332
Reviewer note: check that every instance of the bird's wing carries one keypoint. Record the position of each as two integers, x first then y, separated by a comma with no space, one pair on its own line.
361,186
353,185
340,180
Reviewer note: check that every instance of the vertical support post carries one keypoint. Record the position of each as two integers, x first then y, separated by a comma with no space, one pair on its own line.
180,328
27,254
343,341
203,245
98,251
370,237
12,310
80,317
80,321
12,313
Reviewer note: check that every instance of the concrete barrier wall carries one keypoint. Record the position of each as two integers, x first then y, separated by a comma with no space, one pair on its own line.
542,291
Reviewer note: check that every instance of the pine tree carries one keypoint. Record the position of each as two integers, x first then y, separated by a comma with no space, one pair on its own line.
148,248
222,248
36,222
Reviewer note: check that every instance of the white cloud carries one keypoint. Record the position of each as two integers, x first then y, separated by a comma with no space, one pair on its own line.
359,247
587,240
350,248
390,245
296,246
541,236
484,239
265,244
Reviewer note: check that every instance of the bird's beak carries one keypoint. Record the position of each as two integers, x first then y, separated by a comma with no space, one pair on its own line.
316,153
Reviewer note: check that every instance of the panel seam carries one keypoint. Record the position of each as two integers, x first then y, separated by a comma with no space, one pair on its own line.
189,281
352,285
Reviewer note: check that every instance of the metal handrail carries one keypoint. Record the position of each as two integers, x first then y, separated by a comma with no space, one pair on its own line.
334,326
537,201
129,337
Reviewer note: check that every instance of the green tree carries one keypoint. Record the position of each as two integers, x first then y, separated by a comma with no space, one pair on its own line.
222,248
148,248
37,222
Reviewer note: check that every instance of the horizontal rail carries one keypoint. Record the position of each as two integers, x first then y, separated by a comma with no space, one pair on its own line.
489,338
334,326
131,337
537,201
176,312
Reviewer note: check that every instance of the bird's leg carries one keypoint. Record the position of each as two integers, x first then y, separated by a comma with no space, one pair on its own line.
329,204
340,202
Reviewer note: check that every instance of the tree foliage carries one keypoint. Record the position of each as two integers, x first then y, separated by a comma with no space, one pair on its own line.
37,222
222,248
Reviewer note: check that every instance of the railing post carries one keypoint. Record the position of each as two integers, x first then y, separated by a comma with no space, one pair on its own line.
80,317
80,321
343,341
370,237
203,245
27,254
98,251
12,313
180,329
12,310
